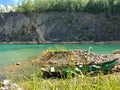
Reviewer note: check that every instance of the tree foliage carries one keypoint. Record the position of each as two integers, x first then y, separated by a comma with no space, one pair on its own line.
92,6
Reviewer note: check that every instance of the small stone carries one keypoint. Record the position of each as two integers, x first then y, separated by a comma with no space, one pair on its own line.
17,63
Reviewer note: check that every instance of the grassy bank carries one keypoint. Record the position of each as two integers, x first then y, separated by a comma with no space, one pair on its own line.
99,82
91,6
81,82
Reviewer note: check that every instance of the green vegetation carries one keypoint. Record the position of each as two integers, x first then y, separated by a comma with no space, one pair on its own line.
91,6
99,82
57,48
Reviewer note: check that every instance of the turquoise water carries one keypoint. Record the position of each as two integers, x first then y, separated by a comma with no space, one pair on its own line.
17,53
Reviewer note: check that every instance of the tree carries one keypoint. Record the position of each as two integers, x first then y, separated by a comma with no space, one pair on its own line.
29,6
37,5
22,7
111,5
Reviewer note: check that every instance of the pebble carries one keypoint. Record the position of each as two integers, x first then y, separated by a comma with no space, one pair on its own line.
18,63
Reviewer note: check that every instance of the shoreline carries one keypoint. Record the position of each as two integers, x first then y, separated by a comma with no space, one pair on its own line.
62,42
25,68
15,71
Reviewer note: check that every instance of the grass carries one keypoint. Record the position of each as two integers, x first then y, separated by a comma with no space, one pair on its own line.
57,48
90,6
99,82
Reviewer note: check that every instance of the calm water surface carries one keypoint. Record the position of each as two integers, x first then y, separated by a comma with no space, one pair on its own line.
16,53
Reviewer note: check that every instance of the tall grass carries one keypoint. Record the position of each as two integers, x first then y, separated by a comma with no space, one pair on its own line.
91,6
100,82
57,48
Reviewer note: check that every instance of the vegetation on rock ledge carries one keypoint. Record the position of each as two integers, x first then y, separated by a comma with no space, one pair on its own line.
90,6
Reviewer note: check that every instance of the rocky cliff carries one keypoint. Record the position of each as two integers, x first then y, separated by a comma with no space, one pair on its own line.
58,26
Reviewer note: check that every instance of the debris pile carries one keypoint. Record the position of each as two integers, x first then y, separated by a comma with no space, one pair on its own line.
72,57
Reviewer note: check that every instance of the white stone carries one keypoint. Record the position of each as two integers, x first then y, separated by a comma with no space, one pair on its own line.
6,82
52,69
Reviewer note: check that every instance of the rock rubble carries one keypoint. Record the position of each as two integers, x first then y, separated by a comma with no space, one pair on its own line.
73,57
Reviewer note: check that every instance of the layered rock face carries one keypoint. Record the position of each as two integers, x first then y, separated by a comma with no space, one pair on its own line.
58,26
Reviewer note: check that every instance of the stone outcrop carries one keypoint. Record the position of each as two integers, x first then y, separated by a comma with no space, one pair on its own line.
58,26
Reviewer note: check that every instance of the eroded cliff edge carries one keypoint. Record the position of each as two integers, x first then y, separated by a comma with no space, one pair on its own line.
58,27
